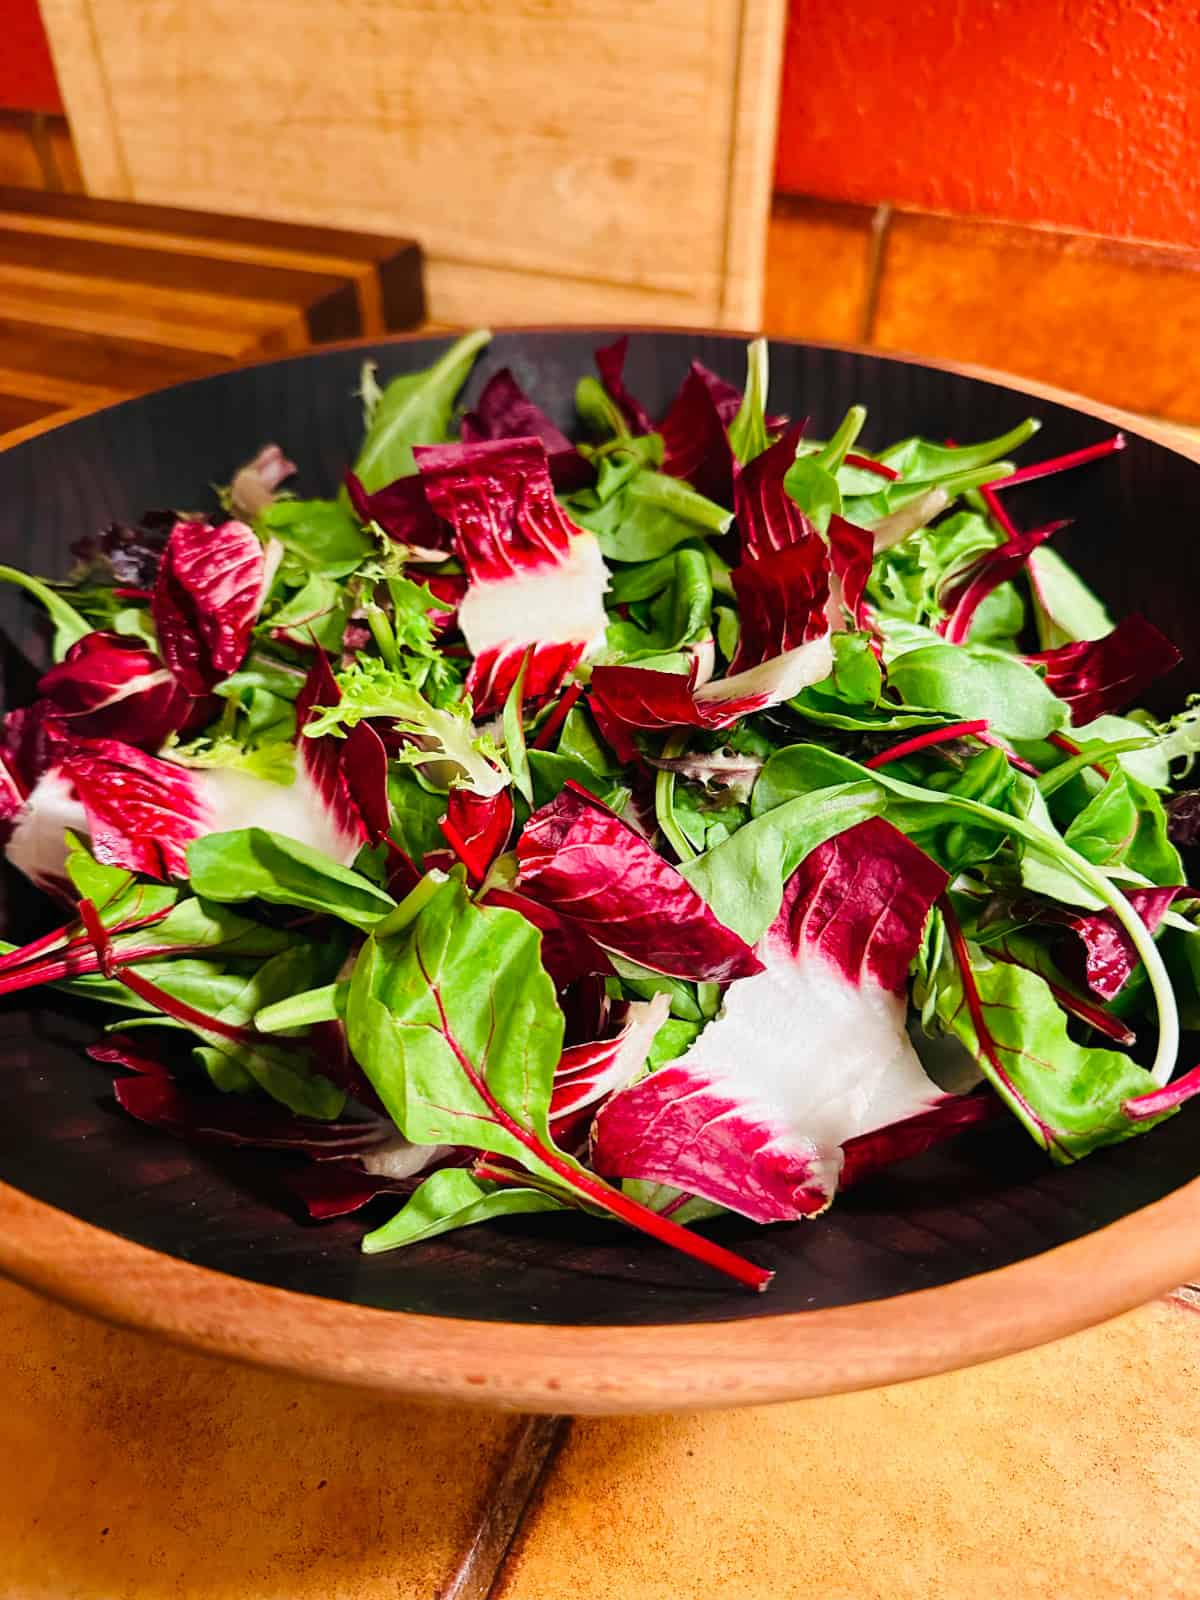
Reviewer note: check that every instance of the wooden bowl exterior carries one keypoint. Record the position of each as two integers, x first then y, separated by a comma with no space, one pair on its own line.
961,1255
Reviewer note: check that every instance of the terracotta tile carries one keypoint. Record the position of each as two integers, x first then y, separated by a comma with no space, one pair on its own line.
1111,320
817,268
19,162
1072,1472
132,1469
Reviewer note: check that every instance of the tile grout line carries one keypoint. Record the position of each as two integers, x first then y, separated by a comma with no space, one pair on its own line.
880,220
529,1460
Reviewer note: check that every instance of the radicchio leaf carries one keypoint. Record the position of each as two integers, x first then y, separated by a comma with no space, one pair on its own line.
768,519
1109,957
537,581
477,827
242,1123
505,411
404,514
781,599
610,363
594,871
695,434
624,698
207,599
851,554
349,775
970,587
588,1073
139,812
1097,676
112,687
806,1056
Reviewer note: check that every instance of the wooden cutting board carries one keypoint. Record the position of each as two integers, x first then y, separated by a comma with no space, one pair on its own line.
559,160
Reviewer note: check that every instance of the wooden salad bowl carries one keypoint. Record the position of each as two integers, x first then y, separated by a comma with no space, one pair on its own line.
970,1251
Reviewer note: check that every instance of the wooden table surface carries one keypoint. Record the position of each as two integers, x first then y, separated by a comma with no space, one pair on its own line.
133,1470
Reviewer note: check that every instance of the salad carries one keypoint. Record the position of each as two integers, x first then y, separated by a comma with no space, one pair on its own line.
690,817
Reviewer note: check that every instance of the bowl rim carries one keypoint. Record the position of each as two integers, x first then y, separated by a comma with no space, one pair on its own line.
614,1369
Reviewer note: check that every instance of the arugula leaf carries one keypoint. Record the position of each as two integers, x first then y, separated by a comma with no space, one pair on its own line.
452,1199
414,408
253,864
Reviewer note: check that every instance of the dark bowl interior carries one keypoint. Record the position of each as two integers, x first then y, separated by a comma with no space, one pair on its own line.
986,1201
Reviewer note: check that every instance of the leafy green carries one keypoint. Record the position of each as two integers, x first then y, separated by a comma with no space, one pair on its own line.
447,737
648,517
69,626
970,681
1125,826
452,1199
742,879
748,430
922,461
414,408
322,538
1064,608
1069,1096
253,864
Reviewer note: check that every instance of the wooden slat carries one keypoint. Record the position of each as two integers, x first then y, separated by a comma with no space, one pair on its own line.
327,302
623,153
105,358
17,411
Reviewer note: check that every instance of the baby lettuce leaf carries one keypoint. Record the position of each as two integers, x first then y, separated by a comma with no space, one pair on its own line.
1064,608
1125,825
254,864
415,408
742,878
976,681
321,538
1070,1097
649,517
451,1199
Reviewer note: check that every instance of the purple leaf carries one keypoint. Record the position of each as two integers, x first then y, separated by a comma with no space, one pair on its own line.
207,599
610,363
112,687
477,827
851,553
1109,956
1096,676
594,871
588,1073
781,598
536,581
349,775
695,437
968,589
404,514
139,812
254,484
768,519
624,698
567,952
233,1121
505,411
754,1117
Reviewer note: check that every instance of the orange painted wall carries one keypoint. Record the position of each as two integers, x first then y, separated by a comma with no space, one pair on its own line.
27,81
1064,111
